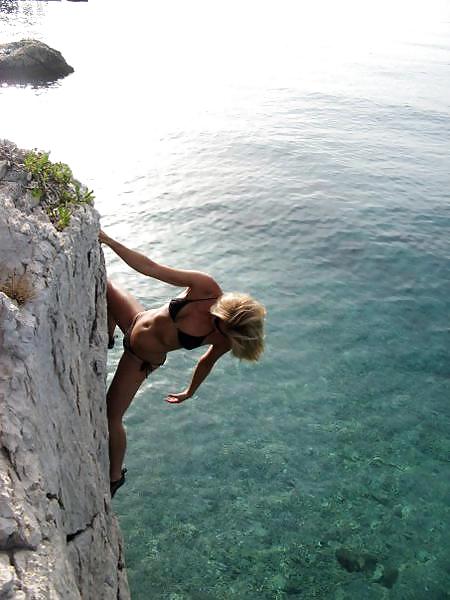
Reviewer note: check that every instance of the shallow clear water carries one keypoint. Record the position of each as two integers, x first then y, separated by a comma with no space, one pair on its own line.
301,155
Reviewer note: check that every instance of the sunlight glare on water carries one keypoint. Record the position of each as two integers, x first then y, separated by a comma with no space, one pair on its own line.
188,65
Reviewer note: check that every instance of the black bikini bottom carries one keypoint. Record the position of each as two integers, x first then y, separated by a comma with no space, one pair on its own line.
144,365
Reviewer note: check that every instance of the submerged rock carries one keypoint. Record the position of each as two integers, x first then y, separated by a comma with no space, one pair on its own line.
31,61
361,562
353,561
389,577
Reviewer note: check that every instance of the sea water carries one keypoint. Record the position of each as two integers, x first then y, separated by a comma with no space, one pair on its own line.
301,154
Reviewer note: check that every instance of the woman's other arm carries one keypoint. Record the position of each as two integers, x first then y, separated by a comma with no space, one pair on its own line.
201,372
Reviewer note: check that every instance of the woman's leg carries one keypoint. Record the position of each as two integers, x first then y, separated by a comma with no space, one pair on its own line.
122,308
126,382
111,327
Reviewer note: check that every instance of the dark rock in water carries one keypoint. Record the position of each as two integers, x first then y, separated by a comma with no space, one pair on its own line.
293,586
353,561
350,560
389,577
31,61
370,562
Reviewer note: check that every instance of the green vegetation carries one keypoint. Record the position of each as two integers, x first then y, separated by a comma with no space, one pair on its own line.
53,186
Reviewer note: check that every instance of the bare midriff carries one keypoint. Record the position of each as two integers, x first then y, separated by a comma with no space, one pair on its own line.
153,335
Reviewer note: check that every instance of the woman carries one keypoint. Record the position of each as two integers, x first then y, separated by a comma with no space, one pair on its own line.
202,315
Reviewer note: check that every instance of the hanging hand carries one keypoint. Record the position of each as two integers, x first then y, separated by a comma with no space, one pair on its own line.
102,237
177,398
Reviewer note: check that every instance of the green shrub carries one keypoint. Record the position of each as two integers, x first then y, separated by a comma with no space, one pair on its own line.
53,186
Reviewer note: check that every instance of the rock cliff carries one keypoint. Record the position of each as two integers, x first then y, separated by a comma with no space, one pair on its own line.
59,538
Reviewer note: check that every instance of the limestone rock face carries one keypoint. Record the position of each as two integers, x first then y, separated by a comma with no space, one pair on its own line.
59,538
31,61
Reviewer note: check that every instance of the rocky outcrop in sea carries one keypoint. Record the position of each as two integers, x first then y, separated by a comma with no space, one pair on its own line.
31,61
59,537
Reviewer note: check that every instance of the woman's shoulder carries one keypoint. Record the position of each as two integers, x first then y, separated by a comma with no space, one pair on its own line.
206,287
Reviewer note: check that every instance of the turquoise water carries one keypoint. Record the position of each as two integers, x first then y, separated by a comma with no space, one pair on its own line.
312,171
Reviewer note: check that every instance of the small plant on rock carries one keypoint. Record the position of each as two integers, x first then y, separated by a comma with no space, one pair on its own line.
53,186
19,288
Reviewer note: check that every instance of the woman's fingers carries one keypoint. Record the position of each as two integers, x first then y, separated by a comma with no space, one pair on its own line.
173,400
176,398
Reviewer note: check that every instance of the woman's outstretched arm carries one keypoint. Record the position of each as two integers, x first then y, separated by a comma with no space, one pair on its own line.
201,372
141,263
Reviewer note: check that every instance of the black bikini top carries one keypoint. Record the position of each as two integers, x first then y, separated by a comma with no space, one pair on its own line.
186,340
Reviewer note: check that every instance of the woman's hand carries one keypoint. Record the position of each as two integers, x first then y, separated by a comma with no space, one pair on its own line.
103,238
177,398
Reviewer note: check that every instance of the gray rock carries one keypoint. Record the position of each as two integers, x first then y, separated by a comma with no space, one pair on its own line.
3,168
58,535
31,61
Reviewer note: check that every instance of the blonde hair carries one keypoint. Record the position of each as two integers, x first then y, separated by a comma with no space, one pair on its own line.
244,319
